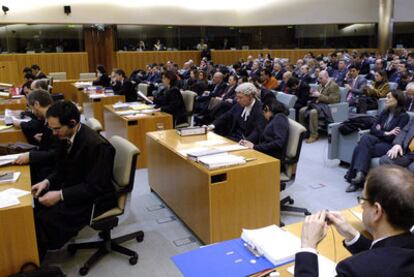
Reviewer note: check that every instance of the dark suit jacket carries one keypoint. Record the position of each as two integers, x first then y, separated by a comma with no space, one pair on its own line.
397,121
405,136
218,90
171,101
84,175
103,81
364,67
274,138
40,75
126,88
393,256
266,96
228,123
279,75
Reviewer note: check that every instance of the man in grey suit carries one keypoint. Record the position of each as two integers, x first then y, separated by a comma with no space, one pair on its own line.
355,85
402,153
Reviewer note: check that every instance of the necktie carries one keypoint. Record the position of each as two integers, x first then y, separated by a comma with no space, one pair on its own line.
411,145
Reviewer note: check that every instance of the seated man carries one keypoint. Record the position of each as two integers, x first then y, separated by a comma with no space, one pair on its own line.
42,159
402,153
122,86
244,120
340,74
388,214
355,85
301,90
268,81
410,97
81,178
326,93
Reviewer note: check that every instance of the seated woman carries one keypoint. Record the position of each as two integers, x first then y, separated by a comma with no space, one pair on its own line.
379,140
170,100
371,93
273,140
102,78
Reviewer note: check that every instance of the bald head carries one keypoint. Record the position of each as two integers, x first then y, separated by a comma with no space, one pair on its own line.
392,187
218,78
323,77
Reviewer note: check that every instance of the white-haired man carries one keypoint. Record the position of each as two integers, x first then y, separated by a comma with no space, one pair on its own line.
244,120
326,93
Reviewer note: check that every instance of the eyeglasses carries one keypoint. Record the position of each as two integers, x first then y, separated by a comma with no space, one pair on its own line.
362,200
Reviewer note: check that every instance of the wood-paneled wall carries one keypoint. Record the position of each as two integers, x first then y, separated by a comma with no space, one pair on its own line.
230,56
71,63
130,61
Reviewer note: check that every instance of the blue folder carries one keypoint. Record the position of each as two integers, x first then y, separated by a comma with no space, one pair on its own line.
228,258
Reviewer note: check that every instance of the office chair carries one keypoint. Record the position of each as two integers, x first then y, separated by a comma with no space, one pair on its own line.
289,101
85,76
94,124
123,179
189,99
288,172
143,87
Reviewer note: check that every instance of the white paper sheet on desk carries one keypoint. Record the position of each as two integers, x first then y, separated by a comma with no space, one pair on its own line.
6,201
96,95
211,142
326,267
13,192
120,105
16,176
25,119
8,159
128,112
184,152
140,94
5,127
231,147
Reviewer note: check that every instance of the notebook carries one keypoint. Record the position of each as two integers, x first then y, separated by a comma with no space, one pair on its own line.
221,160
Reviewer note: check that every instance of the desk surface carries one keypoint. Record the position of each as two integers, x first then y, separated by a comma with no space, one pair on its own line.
12,135
176,143
214,204
17,232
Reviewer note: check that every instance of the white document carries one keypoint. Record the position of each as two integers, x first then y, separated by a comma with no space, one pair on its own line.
25,119
8,159
12,192
96,95
211,142
140,94
221,160
127,112
277,245
326,267
83,84
120,106
231,147
16,176
6,201
184,152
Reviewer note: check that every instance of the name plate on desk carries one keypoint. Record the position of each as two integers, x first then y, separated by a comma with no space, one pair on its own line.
192,131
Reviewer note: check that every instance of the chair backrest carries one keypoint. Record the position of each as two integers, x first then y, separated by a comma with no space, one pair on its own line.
94,124
343,92
126,158
381,104
58,75
142,87
87,76
189,98
288,100
393,85
293,148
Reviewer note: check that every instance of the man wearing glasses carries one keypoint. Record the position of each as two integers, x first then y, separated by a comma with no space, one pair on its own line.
388,214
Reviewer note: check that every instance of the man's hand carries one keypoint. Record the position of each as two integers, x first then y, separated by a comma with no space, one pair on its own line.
246,143
209,127
38,137
22,159
348,86
315,93
395,151
396,131
314,230
38,188
50,198
341,225
16,123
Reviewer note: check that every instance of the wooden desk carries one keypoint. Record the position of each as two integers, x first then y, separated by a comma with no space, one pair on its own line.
66,87
214,204
13,104
17,232
12,135
134,129
95,107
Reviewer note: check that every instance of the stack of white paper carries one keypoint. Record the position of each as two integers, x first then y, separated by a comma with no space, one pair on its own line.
16,176
277,245
8,159
10,197
221,160
83,84
120,106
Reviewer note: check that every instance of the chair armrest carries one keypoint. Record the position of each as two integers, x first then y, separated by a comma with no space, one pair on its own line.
333,140
292,114
339,111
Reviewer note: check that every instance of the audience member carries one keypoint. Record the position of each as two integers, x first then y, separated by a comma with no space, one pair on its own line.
102,78
122,86
37,73
268,81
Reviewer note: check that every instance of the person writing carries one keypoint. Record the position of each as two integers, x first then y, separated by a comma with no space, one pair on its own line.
387,202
